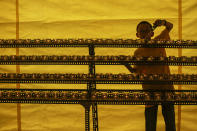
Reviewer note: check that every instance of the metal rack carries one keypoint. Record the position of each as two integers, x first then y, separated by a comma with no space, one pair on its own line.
91,96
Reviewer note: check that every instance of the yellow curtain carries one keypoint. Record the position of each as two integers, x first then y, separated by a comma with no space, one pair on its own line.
89,19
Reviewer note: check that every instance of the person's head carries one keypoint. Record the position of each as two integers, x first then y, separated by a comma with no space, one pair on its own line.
144,30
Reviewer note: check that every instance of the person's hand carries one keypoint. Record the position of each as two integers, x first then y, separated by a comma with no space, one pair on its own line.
159,22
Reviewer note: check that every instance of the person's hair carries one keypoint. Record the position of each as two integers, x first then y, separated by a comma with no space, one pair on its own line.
144,22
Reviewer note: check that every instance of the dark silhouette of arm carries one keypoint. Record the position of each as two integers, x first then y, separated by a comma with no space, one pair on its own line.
132,70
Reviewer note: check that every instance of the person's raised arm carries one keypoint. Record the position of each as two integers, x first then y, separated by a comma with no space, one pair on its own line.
132,70
165,23
165,33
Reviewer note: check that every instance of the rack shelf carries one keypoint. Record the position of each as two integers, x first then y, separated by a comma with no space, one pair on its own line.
98,60
91,97
104,97
106,43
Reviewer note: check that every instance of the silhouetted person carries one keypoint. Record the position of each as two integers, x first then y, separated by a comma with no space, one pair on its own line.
145,31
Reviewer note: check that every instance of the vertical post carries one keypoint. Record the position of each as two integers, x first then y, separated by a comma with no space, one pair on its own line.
92,87
87,117
179,54
95,116
18,66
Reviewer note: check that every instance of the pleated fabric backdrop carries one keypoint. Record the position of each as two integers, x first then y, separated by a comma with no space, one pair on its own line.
89,19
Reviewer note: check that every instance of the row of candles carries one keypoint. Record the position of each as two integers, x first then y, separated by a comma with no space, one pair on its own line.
82,95
91,41
98,58
99,76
